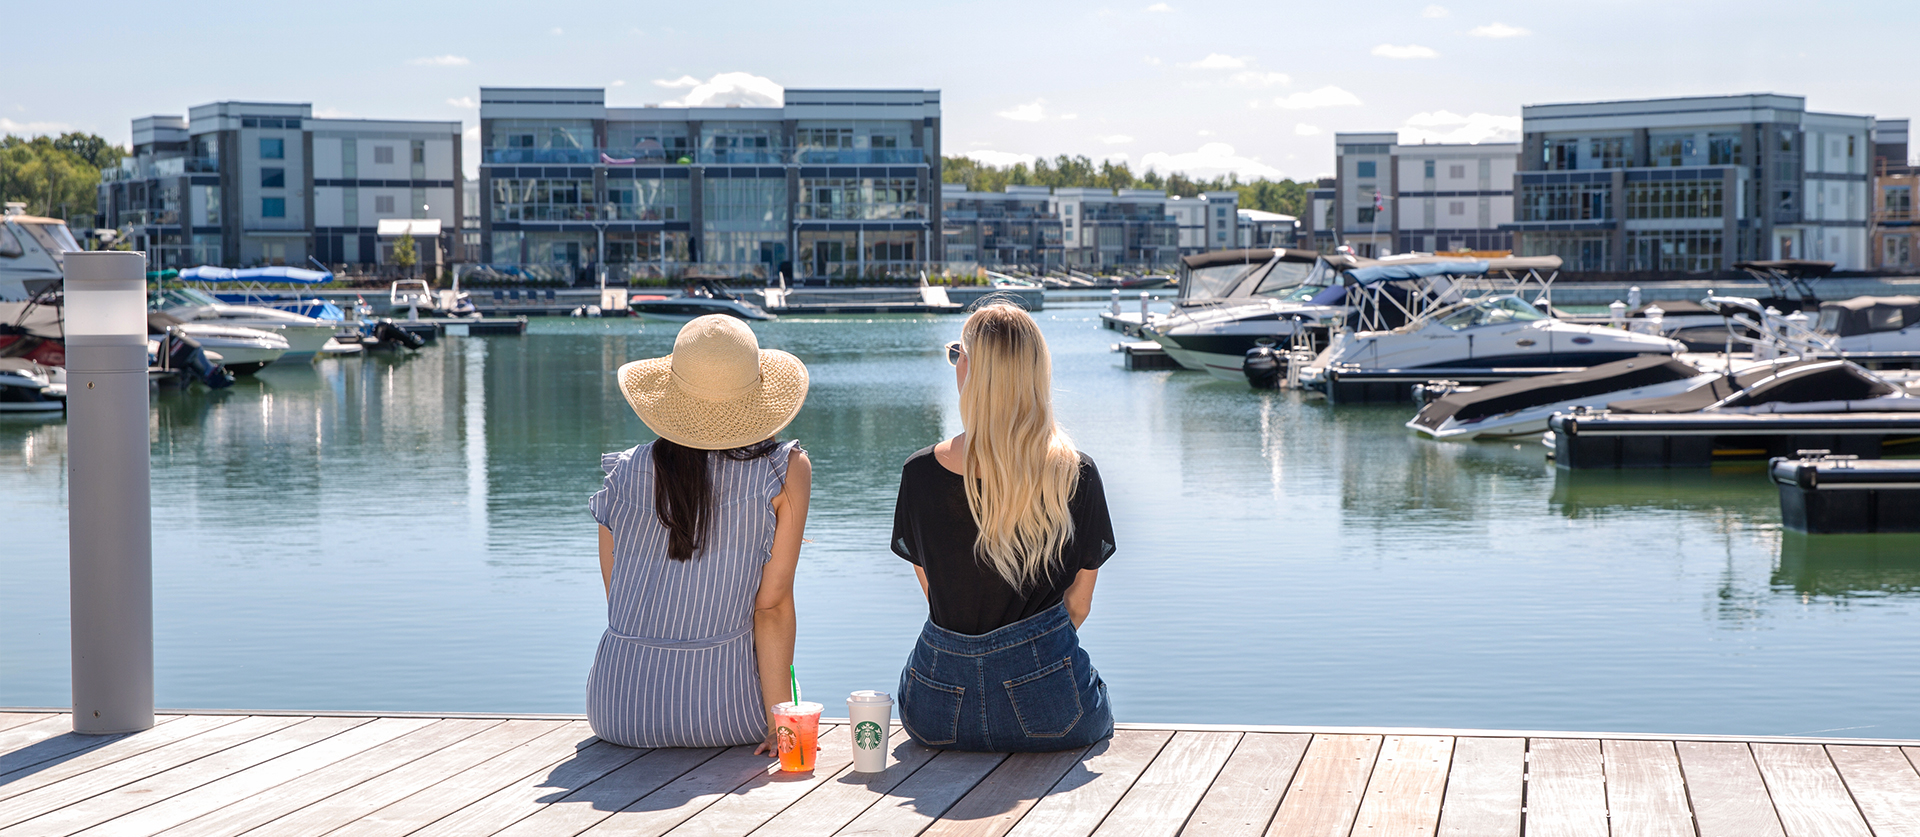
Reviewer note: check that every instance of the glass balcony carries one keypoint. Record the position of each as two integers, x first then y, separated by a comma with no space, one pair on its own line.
566,156
860,156
148,169
744,156
860,212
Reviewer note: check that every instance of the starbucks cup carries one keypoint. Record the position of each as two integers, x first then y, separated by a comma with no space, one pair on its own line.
797,731
870,717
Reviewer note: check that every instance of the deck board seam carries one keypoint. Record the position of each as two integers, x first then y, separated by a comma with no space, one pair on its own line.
1202,796
1848,786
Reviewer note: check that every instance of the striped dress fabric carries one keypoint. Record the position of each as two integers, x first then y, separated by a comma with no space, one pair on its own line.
676,666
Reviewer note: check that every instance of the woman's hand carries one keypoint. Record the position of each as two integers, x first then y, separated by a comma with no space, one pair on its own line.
769,747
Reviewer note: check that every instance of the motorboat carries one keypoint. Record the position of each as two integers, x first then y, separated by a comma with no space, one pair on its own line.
1436,317
1522,407
1871,324
34,330
248,286
243,351
407,297
32,253
28,387
704,296
305,336
1232,301
1002,281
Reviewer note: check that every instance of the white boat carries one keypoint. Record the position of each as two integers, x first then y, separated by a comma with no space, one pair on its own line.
1521,407
702,298
28,387
32,253
305,336
1871,324
409,296
1232,301
242,351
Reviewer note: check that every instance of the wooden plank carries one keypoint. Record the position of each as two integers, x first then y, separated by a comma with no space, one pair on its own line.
99,751
1243,798
523,798
1171,786
363,799
1566,788
1646,795
9,720
915,803
750,806
468,786
999,801
1327,789
15,743
125,799
581,809
1408,782
678,800
1081,799
1486,787
1727,795
262,777
848,795
1807,791
74,788
313,787
1884,786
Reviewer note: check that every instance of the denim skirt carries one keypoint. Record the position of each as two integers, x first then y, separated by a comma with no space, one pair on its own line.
1027,687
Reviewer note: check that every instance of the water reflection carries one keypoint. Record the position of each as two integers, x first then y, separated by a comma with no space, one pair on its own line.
1737,493
1849,565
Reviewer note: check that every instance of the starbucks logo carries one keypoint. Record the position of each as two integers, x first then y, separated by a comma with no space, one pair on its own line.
785,739
866,735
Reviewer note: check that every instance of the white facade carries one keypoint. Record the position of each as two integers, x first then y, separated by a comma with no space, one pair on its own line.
1393,198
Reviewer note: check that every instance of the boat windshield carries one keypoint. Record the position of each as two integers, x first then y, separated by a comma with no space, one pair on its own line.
54,237
179,297
1284,279
1492,311
1217,281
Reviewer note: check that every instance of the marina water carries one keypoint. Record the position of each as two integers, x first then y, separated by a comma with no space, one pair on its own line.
411,533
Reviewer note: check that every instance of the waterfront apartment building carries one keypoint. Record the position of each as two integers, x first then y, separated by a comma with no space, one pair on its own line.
260,183
1895,177
1018,228
1038,228
1692,184
1391,198
833,183
1111,228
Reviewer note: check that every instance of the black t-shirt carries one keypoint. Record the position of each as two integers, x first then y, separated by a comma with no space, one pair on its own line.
933,527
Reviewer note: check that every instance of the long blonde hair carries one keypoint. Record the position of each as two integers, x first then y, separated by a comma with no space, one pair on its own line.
1021,466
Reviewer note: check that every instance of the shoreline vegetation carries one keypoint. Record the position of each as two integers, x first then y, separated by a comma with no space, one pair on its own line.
1287,197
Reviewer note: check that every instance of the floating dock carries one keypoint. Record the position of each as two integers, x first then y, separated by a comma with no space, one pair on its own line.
208,774
925,299
1836,494
1696,440
1144,356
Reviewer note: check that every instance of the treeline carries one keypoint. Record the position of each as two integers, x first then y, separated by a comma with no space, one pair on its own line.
1286,197
56,176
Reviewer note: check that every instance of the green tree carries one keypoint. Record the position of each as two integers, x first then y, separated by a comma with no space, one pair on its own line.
51,181
1287,197
95,150
404,254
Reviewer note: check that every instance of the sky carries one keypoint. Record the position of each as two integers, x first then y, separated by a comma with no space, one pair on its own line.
1199,87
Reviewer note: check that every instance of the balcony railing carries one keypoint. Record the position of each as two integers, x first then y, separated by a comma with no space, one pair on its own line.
1899,215
860,212
860,156
705,156
131,169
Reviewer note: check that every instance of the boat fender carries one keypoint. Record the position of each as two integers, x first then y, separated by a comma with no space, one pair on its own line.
1262,368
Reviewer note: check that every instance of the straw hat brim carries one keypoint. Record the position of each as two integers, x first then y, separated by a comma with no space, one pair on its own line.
695,422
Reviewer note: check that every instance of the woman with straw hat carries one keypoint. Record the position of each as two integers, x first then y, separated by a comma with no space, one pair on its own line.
700,533
1006,525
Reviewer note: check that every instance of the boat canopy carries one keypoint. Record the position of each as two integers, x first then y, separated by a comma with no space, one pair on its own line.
1243,274
1810,381
1389,272
294,275
1869,315
1509,396
1793,267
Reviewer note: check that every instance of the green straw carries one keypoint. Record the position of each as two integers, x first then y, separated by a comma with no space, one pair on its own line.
794,681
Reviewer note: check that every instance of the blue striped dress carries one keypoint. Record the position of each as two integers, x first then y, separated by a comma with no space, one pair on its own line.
676,666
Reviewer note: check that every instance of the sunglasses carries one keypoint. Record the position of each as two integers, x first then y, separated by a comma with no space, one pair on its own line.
954,353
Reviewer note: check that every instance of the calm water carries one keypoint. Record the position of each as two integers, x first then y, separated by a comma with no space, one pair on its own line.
411,533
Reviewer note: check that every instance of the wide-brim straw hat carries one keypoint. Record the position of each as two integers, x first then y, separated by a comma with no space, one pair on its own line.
719,389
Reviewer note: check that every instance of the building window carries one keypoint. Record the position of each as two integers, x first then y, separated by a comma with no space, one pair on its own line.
273,207
1364,168
1563,154
1666,149
826,139
1456,207
543,200
873,198
1897,200
417,155
1608,152
1457,172
1577,250
1723,149
383,204
273,178
1674,199
647,199
1366,215
273,148
1566,202
1429,169
383,155
1675,250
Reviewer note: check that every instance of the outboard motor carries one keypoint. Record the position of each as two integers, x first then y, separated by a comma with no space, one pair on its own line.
392,335
1263,367
185,353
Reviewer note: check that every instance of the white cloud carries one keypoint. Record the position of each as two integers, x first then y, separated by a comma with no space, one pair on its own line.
1325,97
1066,116
1255,78
1204,132
1000,158
617,83
1446,126
331,113
1159,7
472,133
1033,111
32,129
1497,30
744,89
1151,60
465,102
1116,139
440,61
1305,130
1212,160
1217,61
556,31
1408,51
1434,11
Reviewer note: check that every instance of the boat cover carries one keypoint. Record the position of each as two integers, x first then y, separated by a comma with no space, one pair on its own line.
1416,270
1810,381
295,275
1508,396
1797,267
1674,308
1869,315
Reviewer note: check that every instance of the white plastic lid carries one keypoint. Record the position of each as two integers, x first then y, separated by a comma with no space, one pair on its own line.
869,696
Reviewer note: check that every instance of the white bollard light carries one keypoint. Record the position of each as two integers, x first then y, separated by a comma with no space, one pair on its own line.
109,511
1617,314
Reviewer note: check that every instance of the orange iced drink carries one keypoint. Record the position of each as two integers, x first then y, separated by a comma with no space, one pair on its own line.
796,727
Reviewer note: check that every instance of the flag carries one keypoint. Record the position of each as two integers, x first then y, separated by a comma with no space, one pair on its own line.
1379,201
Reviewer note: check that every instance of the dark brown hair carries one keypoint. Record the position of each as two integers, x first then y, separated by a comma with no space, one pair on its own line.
683,491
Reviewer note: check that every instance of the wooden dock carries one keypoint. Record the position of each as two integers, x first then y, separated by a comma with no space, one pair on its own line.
364,774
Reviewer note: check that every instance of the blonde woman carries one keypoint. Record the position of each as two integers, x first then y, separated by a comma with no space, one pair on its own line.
1006,525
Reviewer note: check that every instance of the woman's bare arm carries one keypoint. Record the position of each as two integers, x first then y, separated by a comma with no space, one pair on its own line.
1079,597
606,558
775,625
